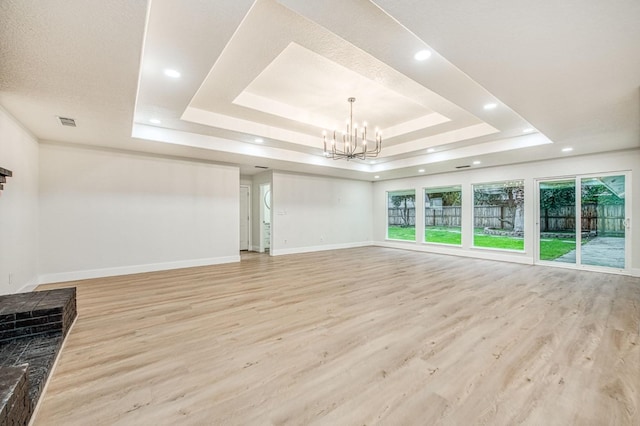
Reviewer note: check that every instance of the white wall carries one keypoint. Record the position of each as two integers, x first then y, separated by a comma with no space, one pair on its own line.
600,163
312,213
18,207
104,213
109,213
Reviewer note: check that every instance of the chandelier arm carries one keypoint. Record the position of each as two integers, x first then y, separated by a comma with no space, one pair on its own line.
354,144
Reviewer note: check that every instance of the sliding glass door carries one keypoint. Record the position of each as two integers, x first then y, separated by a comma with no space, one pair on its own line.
603,221
557,224
583,221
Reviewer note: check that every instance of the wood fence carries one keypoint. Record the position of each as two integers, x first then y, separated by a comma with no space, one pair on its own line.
484,217
603,219
396,216
442,216
496,217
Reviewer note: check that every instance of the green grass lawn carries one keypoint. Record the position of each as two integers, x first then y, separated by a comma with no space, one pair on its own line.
480,239
549,248
553,248
400,233
432,234
436,234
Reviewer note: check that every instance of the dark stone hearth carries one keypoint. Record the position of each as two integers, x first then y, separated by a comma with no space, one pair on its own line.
39,352
15,404
32,329
39,312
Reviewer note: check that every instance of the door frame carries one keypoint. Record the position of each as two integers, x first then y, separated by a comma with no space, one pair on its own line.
578,210
249,246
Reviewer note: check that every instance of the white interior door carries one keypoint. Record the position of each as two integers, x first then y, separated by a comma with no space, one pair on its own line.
245,220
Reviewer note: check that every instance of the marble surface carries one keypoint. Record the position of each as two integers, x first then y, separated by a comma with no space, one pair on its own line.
32,329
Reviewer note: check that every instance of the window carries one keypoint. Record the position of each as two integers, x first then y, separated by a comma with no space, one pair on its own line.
401,215
442,215
498,215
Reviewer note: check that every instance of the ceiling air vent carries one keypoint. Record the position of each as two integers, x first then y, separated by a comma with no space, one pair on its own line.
462,167
261,167
67,121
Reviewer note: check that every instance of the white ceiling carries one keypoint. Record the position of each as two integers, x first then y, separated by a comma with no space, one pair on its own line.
261,80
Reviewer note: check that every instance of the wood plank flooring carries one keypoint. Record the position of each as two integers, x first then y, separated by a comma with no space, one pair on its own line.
351,337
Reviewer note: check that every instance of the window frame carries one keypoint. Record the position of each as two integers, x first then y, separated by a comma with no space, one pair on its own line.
444,188
415,207
473,245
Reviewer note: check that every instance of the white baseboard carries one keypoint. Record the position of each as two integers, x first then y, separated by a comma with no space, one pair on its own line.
459,251
133,269
29,286
309,249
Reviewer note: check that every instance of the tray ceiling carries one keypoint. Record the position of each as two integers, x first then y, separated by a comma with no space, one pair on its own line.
260,80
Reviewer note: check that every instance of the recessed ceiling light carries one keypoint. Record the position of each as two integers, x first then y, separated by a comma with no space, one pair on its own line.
421,171
568,149
430,150
528,130
259,140
376,177
476,162
154,121
422,55
172,73
490,106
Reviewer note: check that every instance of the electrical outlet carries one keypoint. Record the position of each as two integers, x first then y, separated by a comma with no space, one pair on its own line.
10,278
321,237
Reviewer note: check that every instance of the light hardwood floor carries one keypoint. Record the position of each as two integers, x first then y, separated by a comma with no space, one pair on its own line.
352,337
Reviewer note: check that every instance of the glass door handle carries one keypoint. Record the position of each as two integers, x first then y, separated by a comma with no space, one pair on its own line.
627,223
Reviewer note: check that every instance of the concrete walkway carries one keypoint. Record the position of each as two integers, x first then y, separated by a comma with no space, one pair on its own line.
601,251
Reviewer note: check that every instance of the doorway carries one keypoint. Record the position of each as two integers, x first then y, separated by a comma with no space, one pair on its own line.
584,222
265,217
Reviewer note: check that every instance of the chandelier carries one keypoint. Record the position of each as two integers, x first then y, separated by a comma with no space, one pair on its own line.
354,143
